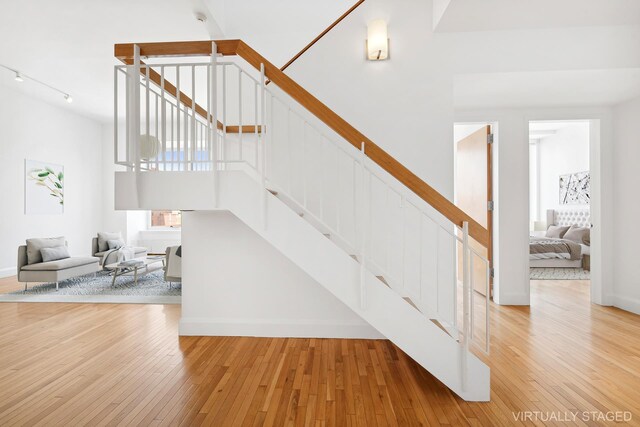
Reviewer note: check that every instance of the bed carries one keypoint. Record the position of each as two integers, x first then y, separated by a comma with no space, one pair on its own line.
556,251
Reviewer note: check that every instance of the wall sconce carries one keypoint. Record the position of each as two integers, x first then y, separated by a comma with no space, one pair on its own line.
377,41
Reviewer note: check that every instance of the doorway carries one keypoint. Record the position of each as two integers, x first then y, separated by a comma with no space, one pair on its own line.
560,207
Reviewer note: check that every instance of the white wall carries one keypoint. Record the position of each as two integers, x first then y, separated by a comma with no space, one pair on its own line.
247,287
32,129
626,234
565,152
405,104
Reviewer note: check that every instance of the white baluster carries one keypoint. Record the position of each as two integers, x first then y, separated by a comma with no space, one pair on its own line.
364,221
212,119
115,114
163,108
487,307
465,303
178,145
135,129
263,169
194,133
240,156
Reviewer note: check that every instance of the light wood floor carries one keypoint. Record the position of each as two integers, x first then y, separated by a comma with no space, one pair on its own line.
73,364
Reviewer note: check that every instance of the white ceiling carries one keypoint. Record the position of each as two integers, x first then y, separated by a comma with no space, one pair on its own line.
69,43
565,88
490,15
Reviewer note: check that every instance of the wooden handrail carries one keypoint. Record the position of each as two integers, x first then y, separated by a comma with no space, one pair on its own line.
323,113
321,35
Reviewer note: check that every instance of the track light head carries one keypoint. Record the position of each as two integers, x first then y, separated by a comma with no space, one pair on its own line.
19,77
68,98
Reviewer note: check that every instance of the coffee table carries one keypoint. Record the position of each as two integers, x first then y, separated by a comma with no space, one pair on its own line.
148,265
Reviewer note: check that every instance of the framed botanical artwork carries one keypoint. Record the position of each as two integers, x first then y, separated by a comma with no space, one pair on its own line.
43,188
575,189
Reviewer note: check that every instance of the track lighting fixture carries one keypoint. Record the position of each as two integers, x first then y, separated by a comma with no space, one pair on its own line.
19,77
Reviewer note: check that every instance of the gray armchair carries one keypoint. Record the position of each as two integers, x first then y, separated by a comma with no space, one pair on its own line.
108,256
173,266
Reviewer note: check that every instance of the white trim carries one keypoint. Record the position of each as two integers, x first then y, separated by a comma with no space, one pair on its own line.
8,272
514,299
285,328
627,303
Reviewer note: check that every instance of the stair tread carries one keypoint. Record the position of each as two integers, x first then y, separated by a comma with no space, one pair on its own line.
407,299
383,280
440,325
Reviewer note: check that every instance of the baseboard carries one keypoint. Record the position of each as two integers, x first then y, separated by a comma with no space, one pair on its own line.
627,303
513,299
280,328
92,299
7,272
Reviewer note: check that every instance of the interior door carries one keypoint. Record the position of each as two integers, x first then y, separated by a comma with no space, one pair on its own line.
474,192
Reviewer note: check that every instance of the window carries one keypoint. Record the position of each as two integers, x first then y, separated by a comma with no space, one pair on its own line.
172,219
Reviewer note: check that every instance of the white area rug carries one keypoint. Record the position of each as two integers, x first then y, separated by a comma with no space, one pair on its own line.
150,289
539,273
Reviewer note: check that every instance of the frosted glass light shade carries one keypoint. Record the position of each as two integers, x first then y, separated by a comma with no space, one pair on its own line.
149,147
377,40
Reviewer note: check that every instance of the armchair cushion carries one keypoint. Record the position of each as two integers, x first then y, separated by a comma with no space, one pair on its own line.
104,237
35,245
60,264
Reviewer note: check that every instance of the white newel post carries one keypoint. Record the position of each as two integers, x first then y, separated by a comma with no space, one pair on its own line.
133,117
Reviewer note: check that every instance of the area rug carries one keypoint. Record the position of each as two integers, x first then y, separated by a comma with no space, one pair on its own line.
540,273
151,288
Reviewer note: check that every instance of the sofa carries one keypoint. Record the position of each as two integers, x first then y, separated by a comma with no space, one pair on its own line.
33,268
100,248
173,266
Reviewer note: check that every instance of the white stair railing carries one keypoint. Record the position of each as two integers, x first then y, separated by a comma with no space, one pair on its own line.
248,125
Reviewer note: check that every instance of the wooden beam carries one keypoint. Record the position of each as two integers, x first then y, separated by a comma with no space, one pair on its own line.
188,48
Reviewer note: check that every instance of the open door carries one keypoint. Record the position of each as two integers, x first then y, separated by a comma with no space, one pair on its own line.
474,193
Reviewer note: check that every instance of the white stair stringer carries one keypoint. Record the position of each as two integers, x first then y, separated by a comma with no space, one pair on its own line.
339,273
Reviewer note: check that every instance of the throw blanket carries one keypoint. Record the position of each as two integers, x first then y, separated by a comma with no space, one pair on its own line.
124,253
547,248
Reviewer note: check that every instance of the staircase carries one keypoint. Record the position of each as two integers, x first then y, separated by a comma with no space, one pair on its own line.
212,135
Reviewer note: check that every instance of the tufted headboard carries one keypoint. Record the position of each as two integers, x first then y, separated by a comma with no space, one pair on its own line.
578,216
